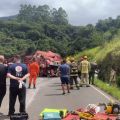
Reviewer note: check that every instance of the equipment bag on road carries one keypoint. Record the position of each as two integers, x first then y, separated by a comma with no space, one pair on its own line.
19,116
71,117
51,116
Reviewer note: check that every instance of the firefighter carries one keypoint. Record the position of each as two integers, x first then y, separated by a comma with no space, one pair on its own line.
73,73
79,72
34,72
85,68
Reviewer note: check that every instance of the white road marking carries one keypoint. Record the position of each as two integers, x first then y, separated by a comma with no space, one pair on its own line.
107,97
32,93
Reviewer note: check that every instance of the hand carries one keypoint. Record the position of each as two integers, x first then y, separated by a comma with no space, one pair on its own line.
17,78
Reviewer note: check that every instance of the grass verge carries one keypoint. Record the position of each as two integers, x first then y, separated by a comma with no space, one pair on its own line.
112,90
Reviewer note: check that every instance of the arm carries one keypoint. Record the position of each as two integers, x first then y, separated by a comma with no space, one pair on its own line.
25,76
12,77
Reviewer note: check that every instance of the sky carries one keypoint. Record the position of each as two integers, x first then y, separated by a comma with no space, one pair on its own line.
80,12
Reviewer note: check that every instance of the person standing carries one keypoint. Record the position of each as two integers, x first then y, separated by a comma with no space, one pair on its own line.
34,72
85,68
112,80
64,76
73,73
17,72
92,72
3,74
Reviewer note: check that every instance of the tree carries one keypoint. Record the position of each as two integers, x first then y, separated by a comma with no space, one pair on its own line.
59,17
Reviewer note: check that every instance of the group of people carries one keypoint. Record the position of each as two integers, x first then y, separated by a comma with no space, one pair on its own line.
18,72
69,72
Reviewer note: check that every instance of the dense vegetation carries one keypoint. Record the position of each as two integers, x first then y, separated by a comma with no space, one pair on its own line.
107,56
43,28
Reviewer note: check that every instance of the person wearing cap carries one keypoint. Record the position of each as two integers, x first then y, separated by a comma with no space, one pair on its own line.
73,73
84,68
3,74
18,73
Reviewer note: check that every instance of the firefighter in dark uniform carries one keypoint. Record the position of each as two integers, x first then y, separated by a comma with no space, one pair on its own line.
73,74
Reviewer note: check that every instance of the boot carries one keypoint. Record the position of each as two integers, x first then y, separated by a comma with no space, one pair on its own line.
29,86
77,87
34,86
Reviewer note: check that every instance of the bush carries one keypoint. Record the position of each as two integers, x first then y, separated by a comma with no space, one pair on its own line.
118,81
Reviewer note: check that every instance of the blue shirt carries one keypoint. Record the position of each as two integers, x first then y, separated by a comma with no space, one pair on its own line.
64,70
17,70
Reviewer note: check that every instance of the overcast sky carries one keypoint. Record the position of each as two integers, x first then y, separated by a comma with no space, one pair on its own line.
80,12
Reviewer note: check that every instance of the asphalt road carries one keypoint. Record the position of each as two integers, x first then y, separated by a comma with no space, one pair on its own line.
48,94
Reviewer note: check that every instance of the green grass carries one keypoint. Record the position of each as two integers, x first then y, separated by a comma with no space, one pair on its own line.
99,53
112,90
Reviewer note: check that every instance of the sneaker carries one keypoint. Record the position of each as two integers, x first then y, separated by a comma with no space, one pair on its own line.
29,86
71,88
63,93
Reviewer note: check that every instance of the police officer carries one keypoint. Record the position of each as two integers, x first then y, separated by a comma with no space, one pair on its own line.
17,73
73,73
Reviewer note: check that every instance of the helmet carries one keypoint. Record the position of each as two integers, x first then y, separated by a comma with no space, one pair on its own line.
72,59
85,57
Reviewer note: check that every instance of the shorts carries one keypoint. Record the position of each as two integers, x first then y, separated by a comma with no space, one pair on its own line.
64,80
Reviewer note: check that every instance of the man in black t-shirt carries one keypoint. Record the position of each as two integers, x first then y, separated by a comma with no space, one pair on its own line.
3,73
17,73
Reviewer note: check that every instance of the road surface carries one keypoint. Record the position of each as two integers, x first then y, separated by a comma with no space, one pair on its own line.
48,94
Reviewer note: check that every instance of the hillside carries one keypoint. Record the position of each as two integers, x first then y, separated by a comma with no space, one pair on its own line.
107,55
44,28
9,17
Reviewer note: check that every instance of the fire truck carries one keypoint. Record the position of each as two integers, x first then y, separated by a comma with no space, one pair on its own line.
48,61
